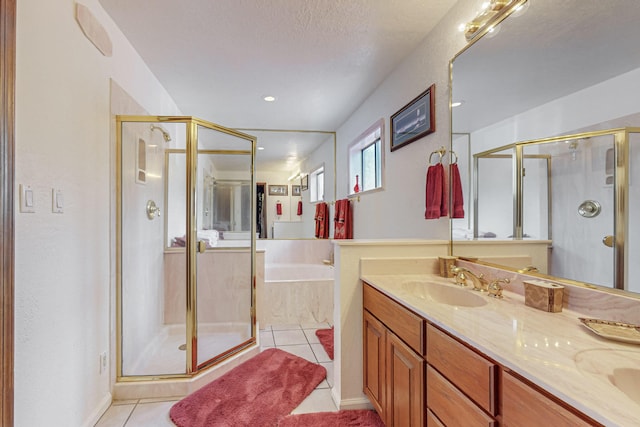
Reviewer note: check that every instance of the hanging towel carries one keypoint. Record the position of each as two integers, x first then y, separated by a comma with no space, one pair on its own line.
322,220
343,220
444,198
299,207
457,200
433,194
278,208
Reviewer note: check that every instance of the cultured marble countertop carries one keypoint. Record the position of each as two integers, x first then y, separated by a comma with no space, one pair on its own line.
542,347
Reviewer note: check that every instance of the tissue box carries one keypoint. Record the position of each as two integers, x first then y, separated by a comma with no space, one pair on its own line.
544,296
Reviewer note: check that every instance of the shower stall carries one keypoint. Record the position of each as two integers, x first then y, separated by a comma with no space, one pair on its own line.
185,299
576,190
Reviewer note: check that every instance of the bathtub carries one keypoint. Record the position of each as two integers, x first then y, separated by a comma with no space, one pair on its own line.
296,293
297,272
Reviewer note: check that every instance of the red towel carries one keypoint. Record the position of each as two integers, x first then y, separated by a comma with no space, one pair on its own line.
322,221
299,207
433,194
343,220
278,208
456,192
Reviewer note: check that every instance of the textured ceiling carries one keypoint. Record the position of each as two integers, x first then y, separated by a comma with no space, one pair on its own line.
320,58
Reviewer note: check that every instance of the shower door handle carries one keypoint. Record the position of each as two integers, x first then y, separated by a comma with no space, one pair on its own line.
202,246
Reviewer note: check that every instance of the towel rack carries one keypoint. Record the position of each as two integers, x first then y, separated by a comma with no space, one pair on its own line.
351,198
442,152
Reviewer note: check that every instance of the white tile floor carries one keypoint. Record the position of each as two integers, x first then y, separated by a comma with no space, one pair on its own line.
300,340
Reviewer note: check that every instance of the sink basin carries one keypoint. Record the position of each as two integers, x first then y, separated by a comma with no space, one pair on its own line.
444,294
620,367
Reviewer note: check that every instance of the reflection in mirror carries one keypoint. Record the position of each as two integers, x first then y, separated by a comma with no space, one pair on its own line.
285,158
548,72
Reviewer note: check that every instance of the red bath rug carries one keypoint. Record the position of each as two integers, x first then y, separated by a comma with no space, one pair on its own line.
326,339
359,418
258,392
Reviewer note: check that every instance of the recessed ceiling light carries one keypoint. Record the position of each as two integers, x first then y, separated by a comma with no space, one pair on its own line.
269,98
457,104
260,148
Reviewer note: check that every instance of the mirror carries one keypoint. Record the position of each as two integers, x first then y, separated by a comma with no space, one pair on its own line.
284,159
550,69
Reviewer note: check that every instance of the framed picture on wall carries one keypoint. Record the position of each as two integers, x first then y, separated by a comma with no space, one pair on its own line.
278,190
414,120
295,190
304,183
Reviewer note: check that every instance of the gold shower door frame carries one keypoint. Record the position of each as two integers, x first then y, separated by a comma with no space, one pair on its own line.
620,195
191,243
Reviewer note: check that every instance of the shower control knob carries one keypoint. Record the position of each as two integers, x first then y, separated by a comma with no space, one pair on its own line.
589,208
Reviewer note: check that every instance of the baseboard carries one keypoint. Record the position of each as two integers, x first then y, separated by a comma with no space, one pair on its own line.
99,411
355,403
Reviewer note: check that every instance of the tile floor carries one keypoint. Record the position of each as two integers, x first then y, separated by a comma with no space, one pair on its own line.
300,340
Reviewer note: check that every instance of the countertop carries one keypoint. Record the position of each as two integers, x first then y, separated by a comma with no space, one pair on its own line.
542,347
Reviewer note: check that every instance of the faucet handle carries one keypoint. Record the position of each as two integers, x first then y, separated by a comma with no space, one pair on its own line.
495,289
459,274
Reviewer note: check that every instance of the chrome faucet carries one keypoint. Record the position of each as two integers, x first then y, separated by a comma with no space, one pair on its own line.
462,275
495,289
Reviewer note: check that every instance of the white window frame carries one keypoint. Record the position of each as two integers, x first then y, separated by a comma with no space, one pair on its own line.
316,184
372,135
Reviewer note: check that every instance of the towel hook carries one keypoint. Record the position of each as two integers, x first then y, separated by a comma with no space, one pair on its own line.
441,152
454,157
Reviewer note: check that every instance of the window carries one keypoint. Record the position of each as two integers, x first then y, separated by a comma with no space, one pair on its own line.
366,159
316,185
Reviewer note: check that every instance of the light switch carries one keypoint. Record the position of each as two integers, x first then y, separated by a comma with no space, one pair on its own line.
27,199
57,200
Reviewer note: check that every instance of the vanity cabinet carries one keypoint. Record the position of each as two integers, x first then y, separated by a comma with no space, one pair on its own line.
461,384
393,374
417,374
524,405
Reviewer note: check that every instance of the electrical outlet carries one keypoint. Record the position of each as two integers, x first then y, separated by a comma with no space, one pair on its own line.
103,362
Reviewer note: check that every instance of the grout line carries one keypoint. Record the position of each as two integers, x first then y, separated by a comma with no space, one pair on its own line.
131,413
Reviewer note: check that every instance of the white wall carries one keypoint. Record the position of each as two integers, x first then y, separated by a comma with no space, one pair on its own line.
398,210
63,273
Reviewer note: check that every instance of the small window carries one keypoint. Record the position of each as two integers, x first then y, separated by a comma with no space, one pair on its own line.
366,159
316,185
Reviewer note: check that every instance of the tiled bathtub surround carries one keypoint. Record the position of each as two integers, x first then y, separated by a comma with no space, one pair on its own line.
301,294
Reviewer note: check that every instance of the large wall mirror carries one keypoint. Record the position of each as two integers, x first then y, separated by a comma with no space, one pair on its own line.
552,69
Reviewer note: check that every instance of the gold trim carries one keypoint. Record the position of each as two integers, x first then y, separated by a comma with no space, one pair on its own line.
191,151
621,193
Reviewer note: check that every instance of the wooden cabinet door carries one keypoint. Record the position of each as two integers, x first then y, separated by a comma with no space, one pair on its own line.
374,352
404,385
524,406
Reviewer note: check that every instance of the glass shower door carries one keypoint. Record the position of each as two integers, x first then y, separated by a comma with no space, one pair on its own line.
185,261
224,191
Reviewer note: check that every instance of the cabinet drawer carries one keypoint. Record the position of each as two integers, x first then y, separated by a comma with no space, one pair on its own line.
470,372
523,405
450,405
405,324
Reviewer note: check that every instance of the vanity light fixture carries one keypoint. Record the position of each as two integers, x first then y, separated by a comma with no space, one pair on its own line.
490,15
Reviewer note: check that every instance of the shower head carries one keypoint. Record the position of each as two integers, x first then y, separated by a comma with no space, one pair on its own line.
165,134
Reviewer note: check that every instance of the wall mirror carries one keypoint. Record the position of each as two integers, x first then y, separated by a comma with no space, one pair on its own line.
550,69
